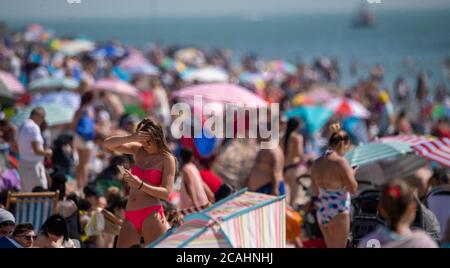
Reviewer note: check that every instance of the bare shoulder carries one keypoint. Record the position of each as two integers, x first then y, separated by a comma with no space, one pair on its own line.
297,137
169,160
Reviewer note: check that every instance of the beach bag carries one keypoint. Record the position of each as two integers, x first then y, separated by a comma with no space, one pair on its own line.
85,127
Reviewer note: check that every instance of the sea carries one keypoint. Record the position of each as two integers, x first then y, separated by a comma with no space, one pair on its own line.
403,42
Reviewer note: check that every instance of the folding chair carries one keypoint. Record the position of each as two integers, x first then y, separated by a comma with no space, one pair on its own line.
32,208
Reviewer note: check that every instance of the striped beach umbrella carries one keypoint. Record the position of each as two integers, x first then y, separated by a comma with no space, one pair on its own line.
383,171
376,151
242,220
53,83
437,151
345,107
409,139
12,83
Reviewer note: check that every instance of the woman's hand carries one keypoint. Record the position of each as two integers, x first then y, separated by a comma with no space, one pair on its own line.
140,137
132,180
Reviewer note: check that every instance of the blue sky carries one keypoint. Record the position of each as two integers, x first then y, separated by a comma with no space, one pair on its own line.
30,9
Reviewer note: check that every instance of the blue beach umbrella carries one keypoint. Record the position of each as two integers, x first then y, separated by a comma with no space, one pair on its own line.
315,117
205,146
357,129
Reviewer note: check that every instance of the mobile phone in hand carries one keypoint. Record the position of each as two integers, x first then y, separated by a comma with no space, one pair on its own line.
121,169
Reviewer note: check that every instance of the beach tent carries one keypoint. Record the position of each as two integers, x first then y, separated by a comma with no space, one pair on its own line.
242,220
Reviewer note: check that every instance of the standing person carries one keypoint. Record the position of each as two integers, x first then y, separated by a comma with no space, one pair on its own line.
292,145
192,192
398,207
161,107
150,180
24,235
83,125
266,175
333,180
31,149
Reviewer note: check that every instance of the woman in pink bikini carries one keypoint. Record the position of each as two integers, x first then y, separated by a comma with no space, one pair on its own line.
150,180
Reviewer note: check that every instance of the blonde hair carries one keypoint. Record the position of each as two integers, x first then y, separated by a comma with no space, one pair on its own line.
153,128
337,135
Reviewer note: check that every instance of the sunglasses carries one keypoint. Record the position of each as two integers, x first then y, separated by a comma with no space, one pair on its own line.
29,237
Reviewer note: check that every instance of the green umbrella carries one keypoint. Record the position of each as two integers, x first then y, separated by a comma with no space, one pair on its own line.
376,151
55,114
53,83
6,98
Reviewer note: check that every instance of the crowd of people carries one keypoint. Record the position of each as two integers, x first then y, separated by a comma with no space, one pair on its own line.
112,160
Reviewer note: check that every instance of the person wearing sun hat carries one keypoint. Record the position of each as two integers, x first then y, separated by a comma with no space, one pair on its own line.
387,114
7,225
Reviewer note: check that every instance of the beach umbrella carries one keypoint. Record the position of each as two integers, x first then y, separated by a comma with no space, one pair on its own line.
315,117
380,172
220,93
76,46
6,98
120,73
437,151
116,86
281,66
235,162
190,55
144,69
319,94
439,112
376,151
205,146
357,129
55,114
302,99
64,98
256,80
411,140
133,62
53,83
205,75
172,65
242,220
345,107
11,83
108,52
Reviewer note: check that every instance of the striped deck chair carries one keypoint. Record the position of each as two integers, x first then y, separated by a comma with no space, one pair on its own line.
33,208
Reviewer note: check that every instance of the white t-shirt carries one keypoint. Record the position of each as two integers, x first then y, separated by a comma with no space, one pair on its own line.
27,133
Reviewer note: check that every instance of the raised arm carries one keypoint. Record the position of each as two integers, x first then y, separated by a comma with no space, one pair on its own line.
125,144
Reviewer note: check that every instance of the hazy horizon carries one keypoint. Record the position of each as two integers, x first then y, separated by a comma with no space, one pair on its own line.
62,9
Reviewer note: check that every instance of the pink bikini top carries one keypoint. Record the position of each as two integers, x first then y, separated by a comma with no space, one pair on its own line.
151,176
